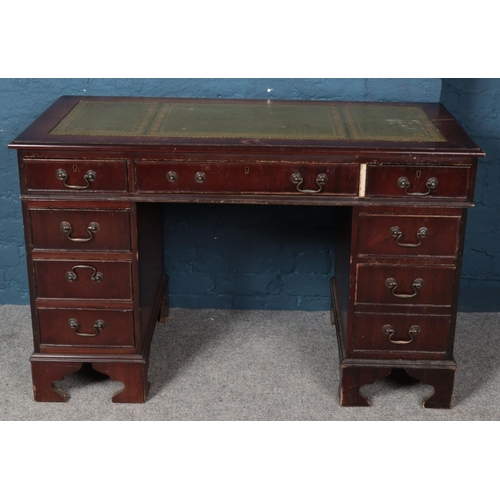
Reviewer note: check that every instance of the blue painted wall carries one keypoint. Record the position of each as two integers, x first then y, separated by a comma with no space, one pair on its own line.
475,103
226,256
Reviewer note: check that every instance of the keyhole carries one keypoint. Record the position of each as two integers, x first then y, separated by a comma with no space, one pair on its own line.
419,173
74,168
247,170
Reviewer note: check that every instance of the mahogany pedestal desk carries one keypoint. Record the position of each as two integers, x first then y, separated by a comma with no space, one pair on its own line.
94,174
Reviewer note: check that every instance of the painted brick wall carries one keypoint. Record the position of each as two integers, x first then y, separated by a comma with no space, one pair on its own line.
475,103
217,256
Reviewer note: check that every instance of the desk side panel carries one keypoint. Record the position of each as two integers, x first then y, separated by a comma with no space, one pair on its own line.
148,230
342,272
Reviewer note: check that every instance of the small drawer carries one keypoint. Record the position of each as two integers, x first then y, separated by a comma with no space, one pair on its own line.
76,229
404,285
240,177
76,176
86,327
69,279
408,235
401,332
418,182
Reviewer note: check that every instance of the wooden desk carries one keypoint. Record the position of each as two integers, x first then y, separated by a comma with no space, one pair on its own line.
95,170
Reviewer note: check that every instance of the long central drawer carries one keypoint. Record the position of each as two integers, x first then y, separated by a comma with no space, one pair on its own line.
253,177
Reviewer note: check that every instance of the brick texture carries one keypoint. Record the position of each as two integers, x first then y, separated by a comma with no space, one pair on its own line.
475,103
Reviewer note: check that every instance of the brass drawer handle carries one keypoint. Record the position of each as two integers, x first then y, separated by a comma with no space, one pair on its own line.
90,176
97,276
200,177
396,232
172,176
389,330
431,184
393,284
321,180
92,228
98,326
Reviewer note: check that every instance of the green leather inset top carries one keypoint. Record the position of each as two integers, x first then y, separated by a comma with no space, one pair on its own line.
259,120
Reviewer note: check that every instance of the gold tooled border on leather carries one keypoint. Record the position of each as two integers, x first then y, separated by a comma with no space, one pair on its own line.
291,115
363,122
74,123
408,123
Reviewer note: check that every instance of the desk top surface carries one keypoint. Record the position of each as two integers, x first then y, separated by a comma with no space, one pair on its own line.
151,122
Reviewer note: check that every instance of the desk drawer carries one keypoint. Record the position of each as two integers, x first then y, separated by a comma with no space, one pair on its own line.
405,334
418,182
404,285
77,229
76,176
86,327
240,177
408,235
69,279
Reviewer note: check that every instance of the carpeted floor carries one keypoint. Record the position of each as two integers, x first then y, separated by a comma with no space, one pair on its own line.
250,365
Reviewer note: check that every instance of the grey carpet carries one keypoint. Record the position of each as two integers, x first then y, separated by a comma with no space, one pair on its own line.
250,365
